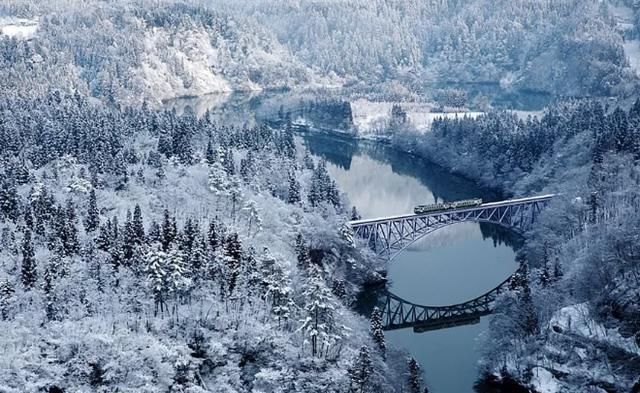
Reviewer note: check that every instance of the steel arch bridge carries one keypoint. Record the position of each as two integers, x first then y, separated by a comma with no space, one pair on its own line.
398,313
388,236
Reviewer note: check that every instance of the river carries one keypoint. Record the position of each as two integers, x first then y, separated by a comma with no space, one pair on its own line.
452,265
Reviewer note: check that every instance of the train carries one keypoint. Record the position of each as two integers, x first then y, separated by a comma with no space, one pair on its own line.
424,209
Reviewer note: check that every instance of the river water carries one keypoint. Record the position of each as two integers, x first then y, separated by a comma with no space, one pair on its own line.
450,266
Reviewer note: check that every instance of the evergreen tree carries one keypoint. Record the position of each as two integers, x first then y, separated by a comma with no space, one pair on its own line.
557,270
360,372
276,286
138,226
210,155
308,161
158,277
6,293
155,233
232,261
93,214
215,234
529,319
28,274
49,278
355,216
294,189
8,199
169,230
376,330
414,377
320,314
302,252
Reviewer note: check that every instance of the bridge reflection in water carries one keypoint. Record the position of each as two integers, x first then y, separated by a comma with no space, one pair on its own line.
389,236
398,313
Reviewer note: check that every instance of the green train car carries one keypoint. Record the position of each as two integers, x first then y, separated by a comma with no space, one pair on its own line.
424,209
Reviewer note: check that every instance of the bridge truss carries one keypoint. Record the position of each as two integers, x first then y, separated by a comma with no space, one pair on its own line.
387,237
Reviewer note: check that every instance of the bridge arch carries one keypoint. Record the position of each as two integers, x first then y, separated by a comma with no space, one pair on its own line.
389,236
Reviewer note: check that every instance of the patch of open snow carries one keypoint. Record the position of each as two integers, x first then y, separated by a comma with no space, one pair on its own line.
576,319
543,381
19,28
372,117
632,50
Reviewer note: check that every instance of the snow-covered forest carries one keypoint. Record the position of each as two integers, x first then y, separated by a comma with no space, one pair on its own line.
147,252
142,250
125,52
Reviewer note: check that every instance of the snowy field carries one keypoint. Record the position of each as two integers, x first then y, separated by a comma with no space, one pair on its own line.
18,28
632,50
373,117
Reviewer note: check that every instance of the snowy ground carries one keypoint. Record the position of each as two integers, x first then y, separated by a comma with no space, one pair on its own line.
632,49
19,28
624,17
370,118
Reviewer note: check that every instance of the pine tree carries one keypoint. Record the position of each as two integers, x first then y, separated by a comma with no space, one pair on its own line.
232,260
69,229
320,314
93,214
302,252
49,278
276,286
169,230
355,216
360,372
377,331
28,218
252,213
308,161
557,270
210,155
138,226
8,199
545,274
294,189
6,293
158,277
155,233
414,377
236,196
28,274
215,234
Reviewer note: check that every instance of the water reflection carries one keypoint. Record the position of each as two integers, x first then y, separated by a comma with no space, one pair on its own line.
451,265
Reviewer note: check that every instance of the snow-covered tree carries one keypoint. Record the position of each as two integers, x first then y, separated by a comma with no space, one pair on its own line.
376,330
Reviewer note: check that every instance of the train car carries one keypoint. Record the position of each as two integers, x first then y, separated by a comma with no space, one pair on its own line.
424,209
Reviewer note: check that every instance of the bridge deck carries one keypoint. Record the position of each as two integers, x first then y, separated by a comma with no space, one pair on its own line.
489,205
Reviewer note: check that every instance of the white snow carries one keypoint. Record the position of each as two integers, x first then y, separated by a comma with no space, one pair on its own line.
195,56
576,319
544,382
19,28
632,50
373,117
